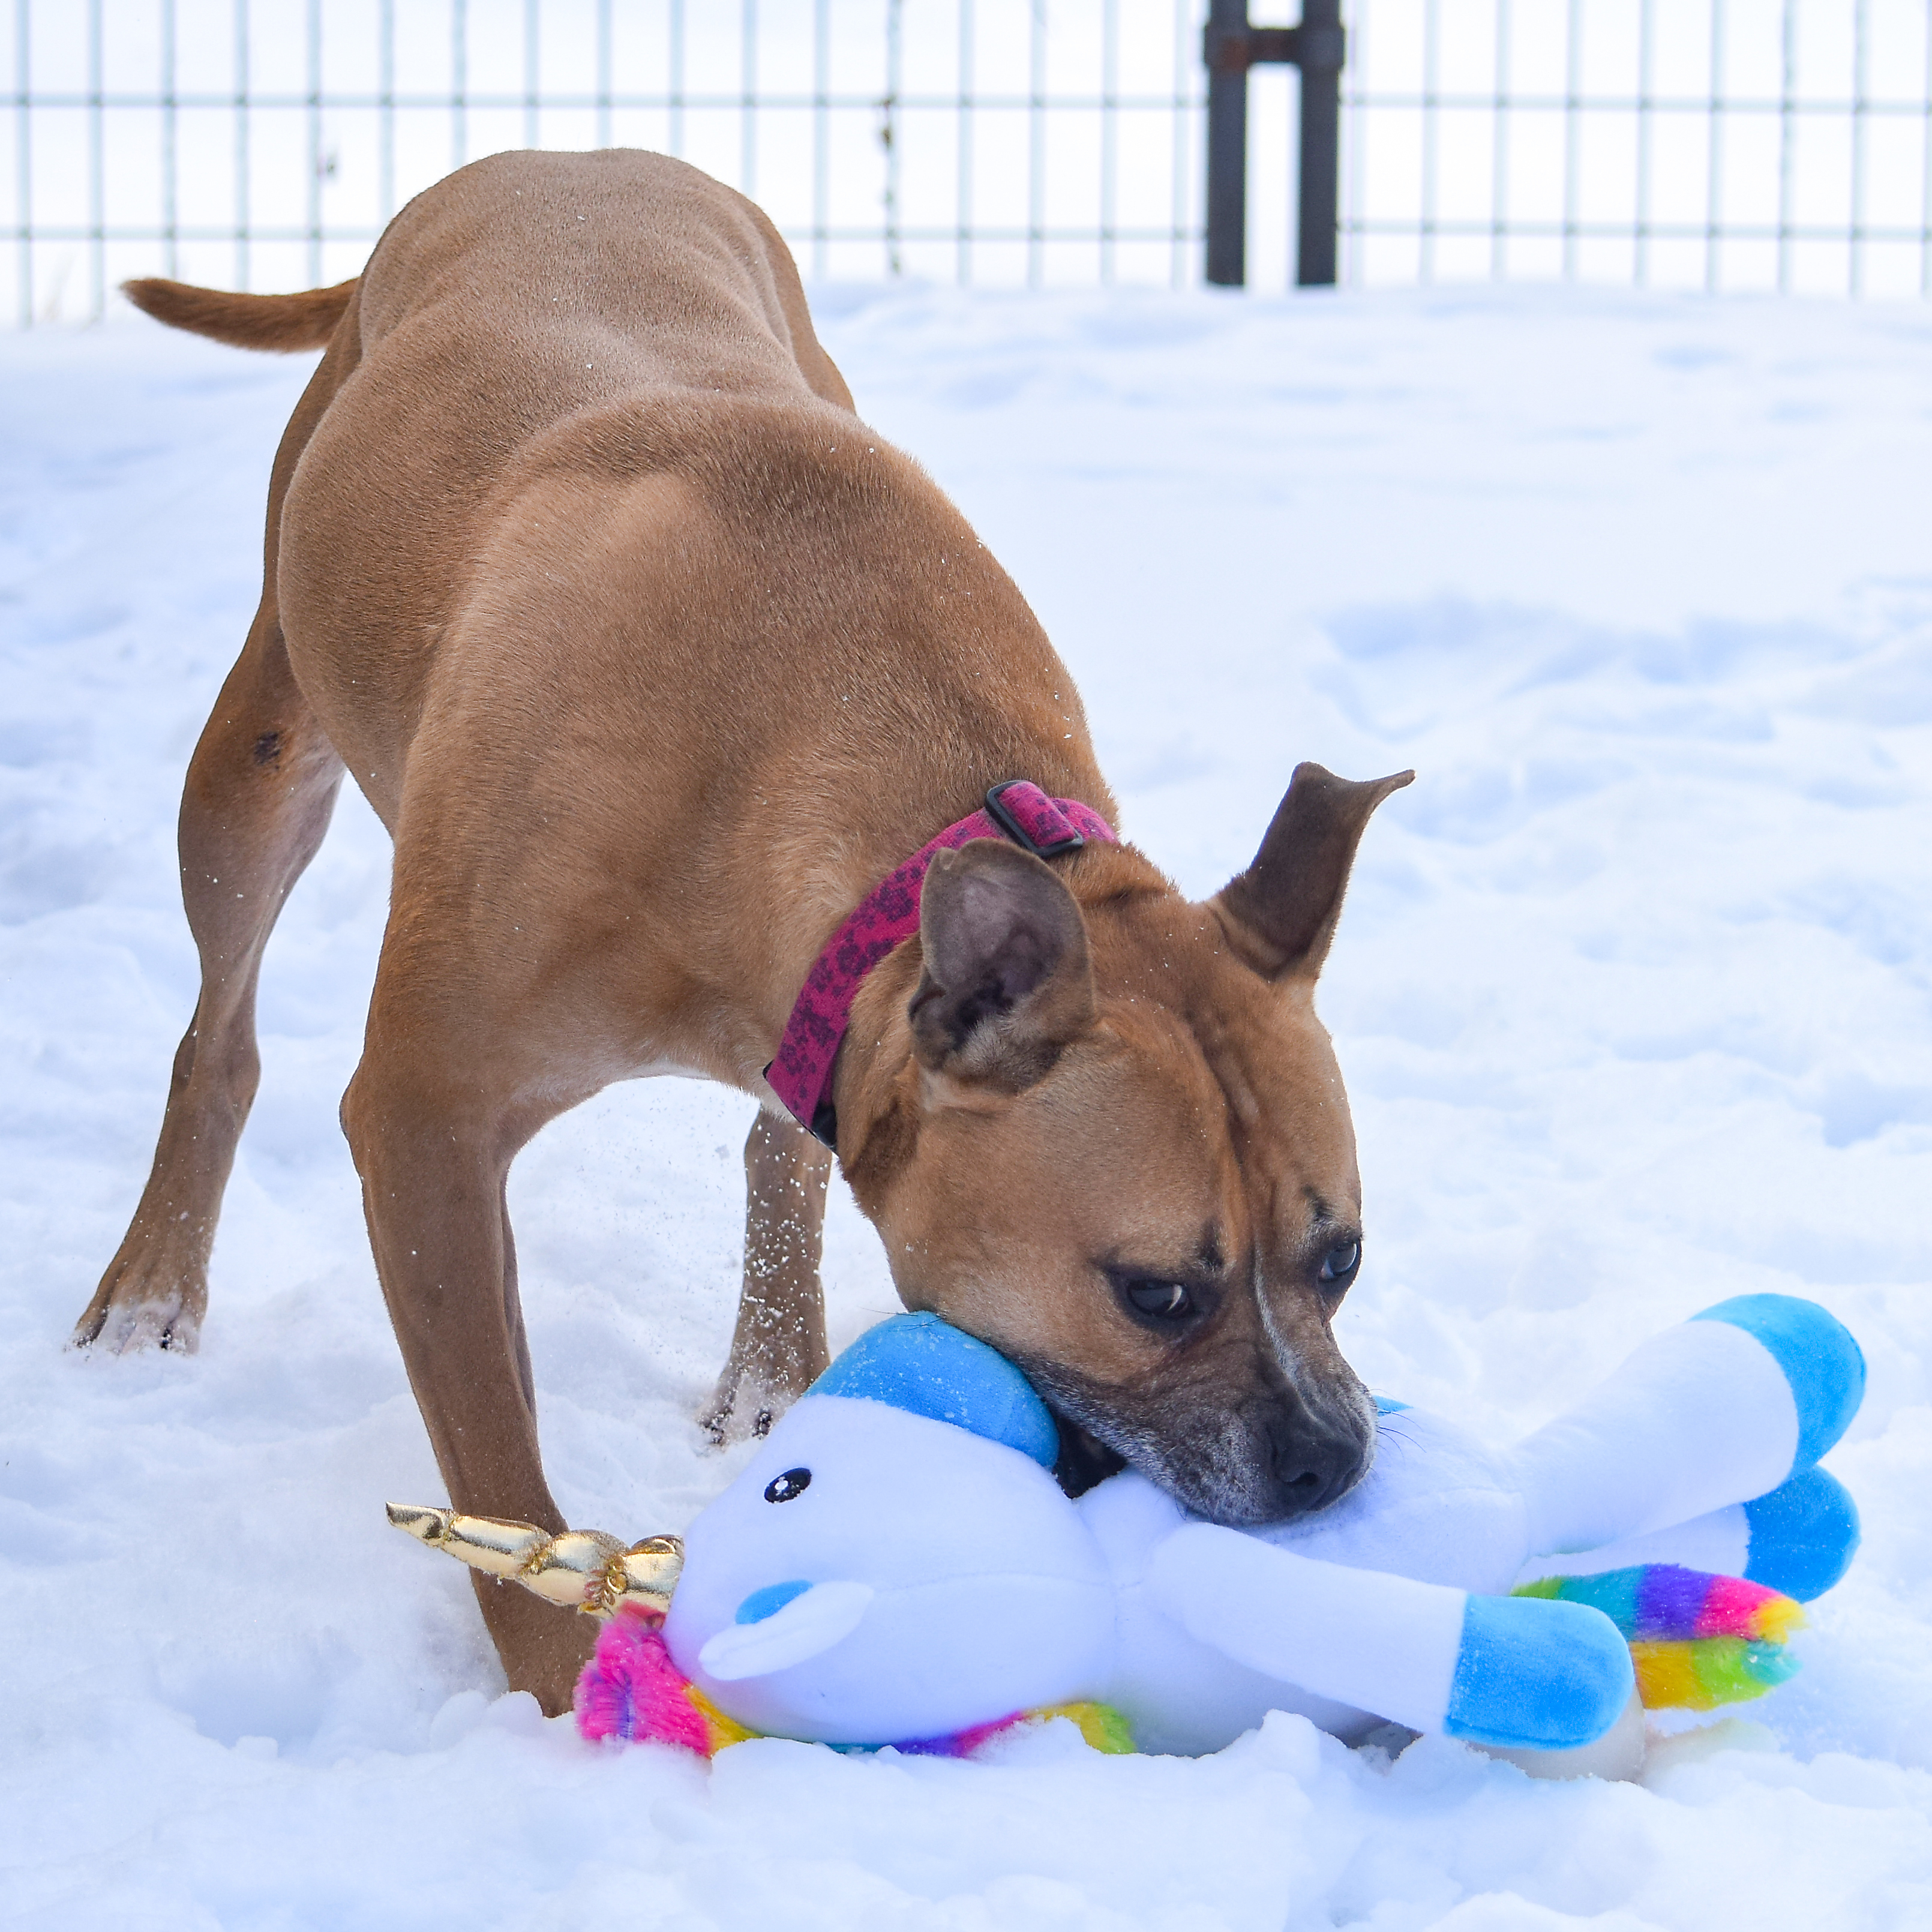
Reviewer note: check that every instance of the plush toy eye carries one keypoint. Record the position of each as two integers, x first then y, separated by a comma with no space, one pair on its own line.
783,1488
1341,1260
1165,1300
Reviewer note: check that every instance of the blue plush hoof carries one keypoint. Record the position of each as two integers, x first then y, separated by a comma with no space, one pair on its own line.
1534,1675
1803,1535
1822,1363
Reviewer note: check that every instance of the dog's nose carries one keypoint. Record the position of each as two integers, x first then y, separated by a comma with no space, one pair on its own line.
1313,1467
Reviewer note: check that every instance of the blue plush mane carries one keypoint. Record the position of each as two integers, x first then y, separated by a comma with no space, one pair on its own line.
926,1367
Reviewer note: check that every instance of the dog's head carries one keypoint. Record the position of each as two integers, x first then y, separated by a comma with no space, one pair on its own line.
1120,1152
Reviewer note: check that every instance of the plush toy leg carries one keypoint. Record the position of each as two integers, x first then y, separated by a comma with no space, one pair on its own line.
1802,1536
1722,1409
1798,1540
1488,1668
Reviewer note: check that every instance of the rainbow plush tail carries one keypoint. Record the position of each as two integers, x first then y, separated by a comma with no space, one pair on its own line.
631,1691
1697,1641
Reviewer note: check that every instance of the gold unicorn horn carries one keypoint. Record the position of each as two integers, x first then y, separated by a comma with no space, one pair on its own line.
581,1569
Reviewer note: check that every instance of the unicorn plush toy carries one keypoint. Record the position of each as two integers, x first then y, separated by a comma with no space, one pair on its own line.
897,1565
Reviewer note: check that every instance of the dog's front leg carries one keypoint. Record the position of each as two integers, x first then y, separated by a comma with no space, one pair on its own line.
778,1348
434,1163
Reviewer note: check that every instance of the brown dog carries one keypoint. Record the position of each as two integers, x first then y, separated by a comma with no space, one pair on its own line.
653,659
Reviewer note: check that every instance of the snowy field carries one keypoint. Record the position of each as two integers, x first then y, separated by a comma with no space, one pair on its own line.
1632,993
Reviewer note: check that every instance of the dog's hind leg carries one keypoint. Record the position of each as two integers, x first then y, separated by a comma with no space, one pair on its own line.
779,1347
260,789
259,792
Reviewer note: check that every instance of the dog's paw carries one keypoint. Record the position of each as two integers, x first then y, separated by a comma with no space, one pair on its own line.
128,1324
154,1292
743,1406
140,1309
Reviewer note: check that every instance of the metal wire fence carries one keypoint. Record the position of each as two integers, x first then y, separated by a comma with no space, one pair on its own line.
264,143
1722,144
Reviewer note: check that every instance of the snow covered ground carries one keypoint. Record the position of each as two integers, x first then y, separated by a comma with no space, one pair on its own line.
1632,993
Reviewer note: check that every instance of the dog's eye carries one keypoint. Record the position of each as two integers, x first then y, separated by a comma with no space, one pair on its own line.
1341,1260
1165,1300
783,1488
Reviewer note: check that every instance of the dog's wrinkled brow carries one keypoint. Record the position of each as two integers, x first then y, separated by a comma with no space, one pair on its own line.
1325,1222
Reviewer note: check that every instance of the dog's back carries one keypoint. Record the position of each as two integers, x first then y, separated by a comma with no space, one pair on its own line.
689,272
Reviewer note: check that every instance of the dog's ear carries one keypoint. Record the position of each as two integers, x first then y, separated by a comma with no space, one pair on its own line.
1007,981
1282,910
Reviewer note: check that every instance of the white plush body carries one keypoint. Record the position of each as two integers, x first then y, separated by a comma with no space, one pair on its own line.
926,1579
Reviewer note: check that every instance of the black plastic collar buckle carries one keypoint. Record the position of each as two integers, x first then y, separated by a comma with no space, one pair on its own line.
996,811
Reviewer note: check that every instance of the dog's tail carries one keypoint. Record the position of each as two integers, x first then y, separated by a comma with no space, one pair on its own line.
286,322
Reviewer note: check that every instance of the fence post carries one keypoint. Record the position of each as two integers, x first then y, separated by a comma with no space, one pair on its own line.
1324,48
1225,49
1229,47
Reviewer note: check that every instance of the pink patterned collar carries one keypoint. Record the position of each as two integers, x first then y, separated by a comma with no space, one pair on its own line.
801,1075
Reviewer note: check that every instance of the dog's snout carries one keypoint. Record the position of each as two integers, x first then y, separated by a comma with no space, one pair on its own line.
1282,1453
1314,1466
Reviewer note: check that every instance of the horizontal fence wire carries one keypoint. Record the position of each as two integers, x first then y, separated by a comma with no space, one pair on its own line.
1715,144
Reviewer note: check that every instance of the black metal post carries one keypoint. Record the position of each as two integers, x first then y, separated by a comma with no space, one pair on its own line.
1318,220
1230,46
1225,49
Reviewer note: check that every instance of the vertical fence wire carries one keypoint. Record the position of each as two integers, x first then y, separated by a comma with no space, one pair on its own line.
964,100
1855,276
243,166
1646,110
1715,160
317,162
1359,79
1036,145
1787,132
1180,269
459,82
674,64
1499,174
889,128
1925,180
385,110
1573,94
1431,114
1110,109
96,161
747,99
821,137
605,82
532,60
170,167
23,160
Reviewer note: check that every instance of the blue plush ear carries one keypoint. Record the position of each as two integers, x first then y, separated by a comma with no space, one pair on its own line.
922,1364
